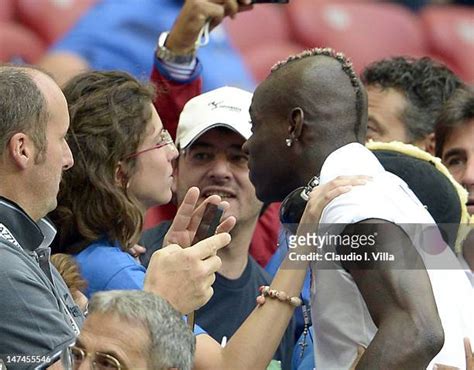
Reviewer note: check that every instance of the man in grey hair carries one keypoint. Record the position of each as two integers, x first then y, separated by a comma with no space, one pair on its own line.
133,329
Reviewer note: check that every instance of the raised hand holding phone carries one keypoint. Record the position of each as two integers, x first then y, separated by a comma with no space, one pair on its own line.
188,218
182,275
209,222
207,227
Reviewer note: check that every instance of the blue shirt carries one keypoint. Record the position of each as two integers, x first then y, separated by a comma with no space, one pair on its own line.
106,267
122,34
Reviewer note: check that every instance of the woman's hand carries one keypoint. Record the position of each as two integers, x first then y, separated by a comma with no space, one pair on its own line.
188,217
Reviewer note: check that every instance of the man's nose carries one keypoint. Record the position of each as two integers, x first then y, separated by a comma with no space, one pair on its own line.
221,167
468,175
245,147
68,159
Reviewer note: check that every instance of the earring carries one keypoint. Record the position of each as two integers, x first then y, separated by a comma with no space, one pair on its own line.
125,184
289,142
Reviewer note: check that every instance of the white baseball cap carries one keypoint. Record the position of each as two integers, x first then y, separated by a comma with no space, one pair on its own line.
222,107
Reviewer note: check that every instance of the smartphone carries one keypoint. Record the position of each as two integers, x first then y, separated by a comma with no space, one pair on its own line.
208,226
209,222
270,1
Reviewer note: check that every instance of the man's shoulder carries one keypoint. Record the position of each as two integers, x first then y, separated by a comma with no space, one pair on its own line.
8,252
14,260
32,324
386,197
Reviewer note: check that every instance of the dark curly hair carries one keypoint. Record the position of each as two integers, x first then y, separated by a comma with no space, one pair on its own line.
425,83
458,110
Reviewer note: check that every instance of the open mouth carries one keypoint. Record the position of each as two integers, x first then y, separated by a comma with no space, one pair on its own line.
224,194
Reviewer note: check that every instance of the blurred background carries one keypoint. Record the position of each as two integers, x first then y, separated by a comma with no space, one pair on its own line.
364,30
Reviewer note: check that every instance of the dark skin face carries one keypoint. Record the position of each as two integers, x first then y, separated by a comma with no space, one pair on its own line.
269,155
303,102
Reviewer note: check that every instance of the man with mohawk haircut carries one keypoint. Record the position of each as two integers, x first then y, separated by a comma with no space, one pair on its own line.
393,289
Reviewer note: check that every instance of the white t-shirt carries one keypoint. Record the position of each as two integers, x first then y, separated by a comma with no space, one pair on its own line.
467,269
340,316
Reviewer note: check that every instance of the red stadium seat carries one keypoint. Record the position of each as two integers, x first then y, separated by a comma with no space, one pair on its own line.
365,31
51,18
18,43
450,35
6,10
264,24
260,60
263,37
158,214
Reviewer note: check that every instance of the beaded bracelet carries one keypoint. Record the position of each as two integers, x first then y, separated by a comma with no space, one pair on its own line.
282,296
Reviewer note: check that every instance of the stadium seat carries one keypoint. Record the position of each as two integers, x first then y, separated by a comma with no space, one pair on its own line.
51,18
364,31
6,10
450,35
260,60
265,24
19,44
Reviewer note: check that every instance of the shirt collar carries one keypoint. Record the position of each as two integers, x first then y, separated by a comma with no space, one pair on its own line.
351,159
29,234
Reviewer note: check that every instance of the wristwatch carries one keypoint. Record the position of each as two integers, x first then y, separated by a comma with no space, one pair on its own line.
165,54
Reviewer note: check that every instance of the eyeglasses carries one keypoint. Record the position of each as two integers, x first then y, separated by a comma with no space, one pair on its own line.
99,360
165,139
292,207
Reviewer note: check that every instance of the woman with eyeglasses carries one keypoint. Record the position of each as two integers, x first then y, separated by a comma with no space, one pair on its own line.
122,167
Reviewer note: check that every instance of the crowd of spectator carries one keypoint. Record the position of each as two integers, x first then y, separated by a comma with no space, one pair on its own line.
140,116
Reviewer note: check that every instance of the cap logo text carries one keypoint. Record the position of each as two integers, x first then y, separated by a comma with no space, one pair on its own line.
220,104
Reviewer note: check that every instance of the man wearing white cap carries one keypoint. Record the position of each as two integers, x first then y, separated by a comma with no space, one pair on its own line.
211,130
177,75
